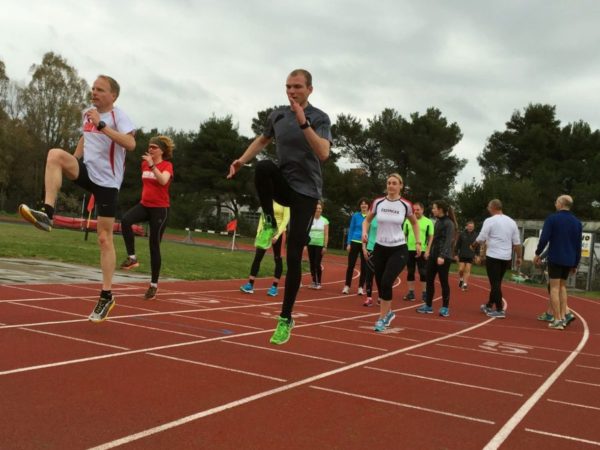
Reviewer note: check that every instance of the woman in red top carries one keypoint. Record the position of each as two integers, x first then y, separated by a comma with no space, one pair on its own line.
157,174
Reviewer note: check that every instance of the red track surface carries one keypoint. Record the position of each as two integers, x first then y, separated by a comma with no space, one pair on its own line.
194,369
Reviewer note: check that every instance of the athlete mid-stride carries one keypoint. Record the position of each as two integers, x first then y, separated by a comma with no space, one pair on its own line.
97,165
391,252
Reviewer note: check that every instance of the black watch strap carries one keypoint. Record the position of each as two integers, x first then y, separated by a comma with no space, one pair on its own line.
305,125
101,125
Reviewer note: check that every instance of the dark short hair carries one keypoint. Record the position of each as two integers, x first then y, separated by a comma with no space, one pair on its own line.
363,200
305,73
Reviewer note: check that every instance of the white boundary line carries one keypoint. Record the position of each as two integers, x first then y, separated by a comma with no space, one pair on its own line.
438,380
277,350
480,366
512,423
583,382
562,436
405,405
578,405
270,392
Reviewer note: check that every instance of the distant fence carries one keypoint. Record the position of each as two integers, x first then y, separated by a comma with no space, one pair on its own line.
588,274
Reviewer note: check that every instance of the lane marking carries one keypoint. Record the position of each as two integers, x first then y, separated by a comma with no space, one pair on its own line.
563,436
405,405
583,382
577,405
75,339
475,365
511,424
438,380
587,367
270,392
214,366
530,358
370,333
269,349
379,349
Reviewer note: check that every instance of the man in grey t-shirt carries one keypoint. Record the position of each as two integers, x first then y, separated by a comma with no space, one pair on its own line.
302,136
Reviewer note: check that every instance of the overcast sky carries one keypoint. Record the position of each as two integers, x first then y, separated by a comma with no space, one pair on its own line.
180,62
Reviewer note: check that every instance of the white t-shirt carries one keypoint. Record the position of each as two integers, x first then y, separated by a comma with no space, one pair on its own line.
500,233
104,159
390,217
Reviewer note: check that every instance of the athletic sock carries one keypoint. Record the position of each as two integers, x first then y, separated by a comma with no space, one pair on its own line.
154,285
133,257
106,294
275,283
49,210
251,282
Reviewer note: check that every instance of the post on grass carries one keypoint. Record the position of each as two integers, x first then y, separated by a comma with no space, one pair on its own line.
90,208
232,227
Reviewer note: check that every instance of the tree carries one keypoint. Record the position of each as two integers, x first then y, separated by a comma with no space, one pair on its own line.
355,142
421,151
53,101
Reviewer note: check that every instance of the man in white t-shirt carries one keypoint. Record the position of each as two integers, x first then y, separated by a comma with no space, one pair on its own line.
501,236
97,165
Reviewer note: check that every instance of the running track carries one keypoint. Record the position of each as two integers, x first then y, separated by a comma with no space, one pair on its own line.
194,369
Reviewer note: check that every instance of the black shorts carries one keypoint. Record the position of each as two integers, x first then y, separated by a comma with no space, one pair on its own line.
465,260
558,272
106,198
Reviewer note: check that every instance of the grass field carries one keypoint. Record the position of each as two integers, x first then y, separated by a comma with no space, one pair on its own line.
188,262
182,261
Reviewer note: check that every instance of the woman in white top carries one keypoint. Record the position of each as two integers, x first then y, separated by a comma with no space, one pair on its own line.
317,245
390,253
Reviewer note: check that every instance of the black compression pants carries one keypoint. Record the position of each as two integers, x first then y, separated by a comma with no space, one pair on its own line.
260,253
157,219
315,256
389,262
271,185
355,251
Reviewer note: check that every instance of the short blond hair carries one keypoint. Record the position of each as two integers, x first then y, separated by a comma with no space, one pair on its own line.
397,176
565,201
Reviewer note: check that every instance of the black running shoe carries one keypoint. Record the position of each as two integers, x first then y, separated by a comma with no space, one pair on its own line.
129,264
38,218
150,293
103,307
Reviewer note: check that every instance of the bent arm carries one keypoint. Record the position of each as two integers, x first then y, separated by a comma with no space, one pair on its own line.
125,140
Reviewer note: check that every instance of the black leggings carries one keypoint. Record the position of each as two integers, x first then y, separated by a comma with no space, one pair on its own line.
315,256
157,219
271,185
369,274
355,250
434,268
496,268
260,253
413,263
389,262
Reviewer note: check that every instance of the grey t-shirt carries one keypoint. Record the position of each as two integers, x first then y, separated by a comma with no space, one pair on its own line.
297,160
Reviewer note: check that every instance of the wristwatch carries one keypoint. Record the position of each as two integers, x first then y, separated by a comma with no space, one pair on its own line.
305,125
101,125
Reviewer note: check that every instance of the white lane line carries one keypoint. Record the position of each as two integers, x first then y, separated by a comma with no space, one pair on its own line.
162,347
167,313
563,436
511,424
71,338
529,358
162,330
270,392
587,367
438,380
269,349
387,335
475,365
379,349
213,366
406,405
583,382
578,405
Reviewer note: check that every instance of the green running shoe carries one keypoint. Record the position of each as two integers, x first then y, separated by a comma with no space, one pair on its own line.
283,331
